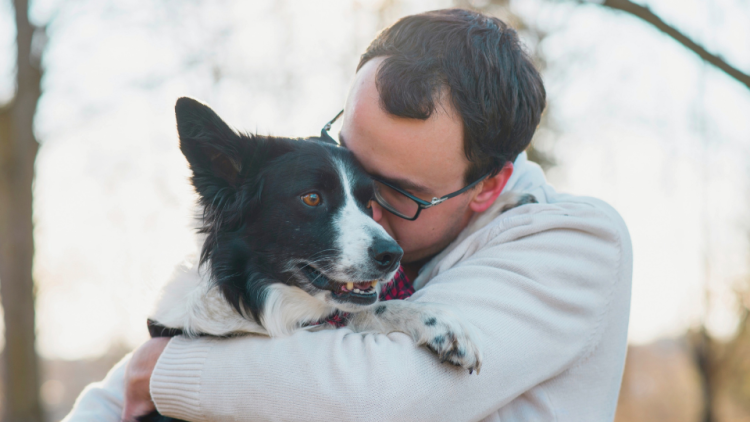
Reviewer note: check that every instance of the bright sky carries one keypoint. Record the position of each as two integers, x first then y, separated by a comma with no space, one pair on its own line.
641,123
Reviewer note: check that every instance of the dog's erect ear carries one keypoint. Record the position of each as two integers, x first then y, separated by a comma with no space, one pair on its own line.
225,164
215,151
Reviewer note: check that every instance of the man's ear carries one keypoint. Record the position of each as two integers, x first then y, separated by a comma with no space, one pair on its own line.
491,188
215,151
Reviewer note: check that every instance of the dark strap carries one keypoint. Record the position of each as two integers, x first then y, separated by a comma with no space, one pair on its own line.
157,330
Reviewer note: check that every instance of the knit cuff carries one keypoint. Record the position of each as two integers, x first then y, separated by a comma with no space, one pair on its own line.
176,380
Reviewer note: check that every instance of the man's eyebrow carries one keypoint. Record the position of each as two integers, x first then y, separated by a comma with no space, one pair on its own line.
404,184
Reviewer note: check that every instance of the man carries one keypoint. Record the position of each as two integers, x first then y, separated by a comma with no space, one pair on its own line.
440,100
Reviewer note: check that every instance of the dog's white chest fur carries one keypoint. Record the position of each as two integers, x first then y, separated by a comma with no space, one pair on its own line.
189,301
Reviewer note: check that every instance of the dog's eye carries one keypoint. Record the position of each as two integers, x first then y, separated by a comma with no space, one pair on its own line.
312,199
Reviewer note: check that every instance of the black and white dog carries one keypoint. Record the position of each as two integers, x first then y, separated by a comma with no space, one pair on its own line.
289,240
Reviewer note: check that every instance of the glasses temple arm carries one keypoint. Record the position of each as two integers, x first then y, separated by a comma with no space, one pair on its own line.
436,201
328,125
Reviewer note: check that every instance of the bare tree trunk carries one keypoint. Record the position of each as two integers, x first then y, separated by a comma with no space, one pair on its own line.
18,148
705,362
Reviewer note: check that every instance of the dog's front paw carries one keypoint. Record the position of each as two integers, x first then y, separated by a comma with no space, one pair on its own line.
433,325
452,340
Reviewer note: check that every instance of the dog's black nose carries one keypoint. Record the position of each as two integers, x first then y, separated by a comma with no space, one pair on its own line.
386,253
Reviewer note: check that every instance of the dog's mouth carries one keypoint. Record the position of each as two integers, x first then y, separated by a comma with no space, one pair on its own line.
361,293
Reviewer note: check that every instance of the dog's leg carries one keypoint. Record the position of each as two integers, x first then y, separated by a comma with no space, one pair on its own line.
429,324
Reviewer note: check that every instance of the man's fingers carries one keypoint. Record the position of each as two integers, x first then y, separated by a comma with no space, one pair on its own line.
138,378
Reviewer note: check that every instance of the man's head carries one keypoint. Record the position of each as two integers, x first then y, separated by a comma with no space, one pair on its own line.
440,100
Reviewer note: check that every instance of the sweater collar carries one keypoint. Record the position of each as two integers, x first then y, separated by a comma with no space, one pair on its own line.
526,177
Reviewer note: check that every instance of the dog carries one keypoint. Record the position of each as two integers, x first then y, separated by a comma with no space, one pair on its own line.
288,239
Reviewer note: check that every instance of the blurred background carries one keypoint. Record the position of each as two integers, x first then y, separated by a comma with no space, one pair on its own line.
649,109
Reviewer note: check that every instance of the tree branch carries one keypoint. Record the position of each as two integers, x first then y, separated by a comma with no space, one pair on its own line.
645,14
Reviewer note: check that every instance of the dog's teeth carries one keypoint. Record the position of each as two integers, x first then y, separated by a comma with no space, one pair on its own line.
373,283
349,285
357,291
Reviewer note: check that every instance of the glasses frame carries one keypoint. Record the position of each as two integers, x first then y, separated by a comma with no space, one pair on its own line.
421,203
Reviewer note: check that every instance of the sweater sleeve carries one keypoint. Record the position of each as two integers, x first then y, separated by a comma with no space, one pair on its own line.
102,401
537,286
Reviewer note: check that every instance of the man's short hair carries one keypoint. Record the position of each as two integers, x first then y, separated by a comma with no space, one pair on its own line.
480,63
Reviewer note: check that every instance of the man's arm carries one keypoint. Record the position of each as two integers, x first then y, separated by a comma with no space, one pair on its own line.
537,287
102,401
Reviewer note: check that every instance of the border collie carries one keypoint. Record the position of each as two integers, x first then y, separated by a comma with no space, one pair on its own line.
289,240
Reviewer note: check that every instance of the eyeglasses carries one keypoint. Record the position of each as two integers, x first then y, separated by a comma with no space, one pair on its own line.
394,199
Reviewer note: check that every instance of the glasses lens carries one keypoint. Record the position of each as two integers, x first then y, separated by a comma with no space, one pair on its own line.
394,201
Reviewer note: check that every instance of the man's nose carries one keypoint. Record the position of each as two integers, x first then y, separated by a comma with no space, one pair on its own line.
386,253
377,211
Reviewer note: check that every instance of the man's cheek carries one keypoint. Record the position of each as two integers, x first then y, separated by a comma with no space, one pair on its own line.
410,236
386,224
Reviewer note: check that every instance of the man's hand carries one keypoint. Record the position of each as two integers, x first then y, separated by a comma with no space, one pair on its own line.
138,377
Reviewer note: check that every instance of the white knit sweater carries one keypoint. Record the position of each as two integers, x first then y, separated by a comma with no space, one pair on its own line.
547,286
